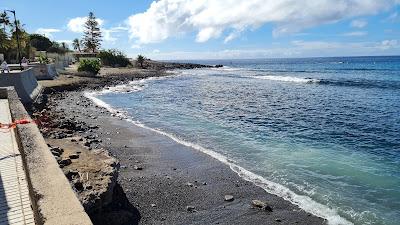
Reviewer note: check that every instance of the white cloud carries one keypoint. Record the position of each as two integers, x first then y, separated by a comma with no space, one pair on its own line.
389,44
394,17
212,19
355,34
77,24
108,33
297,48
136,46
358,23
47,31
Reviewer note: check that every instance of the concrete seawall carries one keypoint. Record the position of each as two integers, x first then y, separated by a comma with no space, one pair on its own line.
53,200
44,71
24,82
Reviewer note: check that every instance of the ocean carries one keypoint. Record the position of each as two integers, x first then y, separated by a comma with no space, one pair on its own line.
323,133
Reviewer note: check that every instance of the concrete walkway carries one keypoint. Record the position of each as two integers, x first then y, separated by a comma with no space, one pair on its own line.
15,204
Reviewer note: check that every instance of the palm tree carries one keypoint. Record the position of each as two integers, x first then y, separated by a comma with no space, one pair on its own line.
76,43
19,25
5,20
140,60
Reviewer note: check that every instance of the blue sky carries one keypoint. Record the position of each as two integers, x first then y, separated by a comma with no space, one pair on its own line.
204,29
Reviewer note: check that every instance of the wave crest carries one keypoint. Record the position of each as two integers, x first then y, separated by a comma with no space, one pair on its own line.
288,79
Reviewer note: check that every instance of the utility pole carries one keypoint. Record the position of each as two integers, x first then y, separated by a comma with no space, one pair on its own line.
17,35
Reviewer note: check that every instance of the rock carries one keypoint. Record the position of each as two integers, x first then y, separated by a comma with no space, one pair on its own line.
261,205
57,154
278,220
78,185
190,208
189,184
137,167
57,149
229,198
71,174
204,183
153,205
58,158
65,162
74,156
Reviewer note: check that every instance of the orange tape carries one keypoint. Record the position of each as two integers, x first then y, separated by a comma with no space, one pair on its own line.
14,124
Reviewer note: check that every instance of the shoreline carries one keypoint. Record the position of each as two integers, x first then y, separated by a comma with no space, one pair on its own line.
155,168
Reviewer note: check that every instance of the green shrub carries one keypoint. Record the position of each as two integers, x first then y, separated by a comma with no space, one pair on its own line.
114,58
43,59
89,65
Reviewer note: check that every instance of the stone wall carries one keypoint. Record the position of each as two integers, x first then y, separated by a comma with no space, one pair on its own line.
44,71
24,82
53,200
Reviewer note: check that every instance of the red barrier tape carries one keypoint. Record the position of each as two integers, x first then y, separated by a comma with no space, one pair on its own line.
15,123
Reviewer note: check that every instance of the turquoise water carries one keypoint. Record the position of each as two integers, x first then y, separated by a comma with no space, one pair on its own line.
326,128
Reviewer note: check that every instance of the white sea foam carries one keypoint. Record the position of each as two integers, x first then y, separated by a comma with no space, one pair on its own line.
134,86
304,202
288,79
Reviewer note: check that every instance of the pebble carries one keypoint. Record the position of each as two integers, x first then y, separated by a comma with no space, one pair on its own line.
74,156
261,205
190,208
65,162
229,198
137,167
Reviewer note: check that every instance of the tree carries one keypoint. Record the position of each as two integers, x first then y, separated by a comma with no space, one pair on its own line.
4,41
5,20
58,48
140,60
114,58
40,42
92,34
76,44
17,24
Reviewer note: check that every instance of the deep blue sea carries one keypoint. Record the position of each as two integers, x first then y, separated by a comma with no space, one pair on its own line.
323,133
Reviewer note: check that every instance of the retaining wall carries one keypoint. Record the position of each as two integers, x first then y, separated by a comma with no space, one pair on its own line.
24,82
53,200
44,71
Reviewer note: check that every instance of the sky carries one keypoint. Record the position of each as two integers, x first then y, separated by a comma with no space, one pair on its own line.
223,29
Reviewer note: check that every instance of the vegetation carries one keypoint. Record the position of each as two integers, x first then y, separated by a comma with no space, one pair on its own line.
40,42
114,58
5,20
43,59
29,43
92,34
140,60
88,65
76,44
58,48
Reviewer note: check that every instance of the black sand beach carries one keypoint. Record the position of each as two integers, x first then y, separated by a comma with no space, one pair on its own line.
166,182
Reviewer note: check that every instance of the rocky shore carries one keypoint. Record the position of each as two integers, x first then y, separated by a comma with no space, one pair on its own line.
124,174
